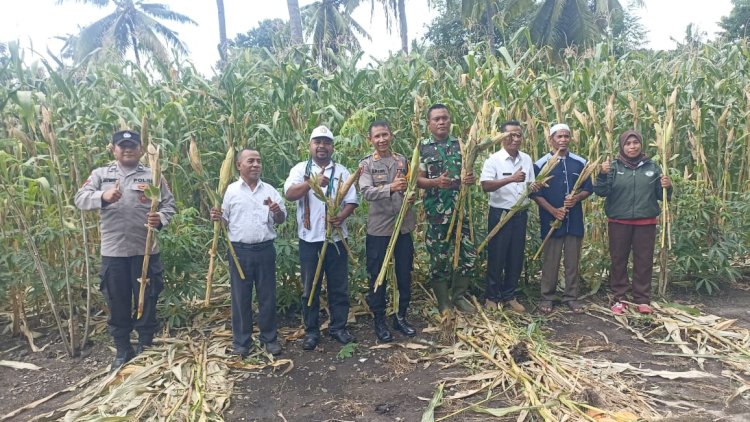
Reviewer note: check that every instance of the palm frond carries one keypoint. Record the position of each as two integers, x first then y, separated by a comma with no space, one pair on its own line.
163,11
97,3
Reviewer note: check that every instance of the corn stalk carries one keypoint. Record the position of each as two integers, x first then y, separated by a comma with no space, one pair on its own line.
333,207
663,137
411,188
470,150
152,192
225,176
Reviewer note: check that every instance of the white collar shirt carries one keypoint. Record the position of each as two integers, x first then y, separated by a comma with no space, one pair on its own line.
317,231
249,219
501,165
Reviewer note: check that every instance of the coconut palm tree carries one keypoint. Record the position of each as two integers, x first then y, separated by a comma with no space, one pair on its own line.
133,25
295,21
562,23
331,28
483,14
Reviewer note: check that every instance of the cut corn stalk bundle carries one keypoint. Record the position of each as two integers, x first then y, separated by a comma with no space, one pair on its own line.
529,374
482,135
225,177
333,207
181,378
698,337
587,171
152,192
522,203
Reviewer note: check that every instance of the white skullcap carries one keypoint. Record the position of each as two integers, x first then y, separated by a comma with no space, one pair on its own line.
559,126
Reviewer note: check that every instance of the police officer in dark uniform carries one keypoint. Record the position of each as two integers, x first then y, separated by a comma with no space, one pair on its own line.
117,191
383,184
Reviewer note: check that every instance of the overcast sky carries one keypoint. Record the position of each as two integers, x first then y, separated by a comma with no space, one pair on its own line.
37,22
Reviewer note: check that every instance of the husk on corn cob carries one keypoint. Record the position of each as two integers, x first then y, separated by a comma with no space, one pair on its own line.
333,207
588,169
541,180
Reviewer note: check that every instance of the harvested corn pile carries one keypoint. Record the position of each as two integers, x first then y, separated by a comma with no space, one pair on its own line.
186,377
512,364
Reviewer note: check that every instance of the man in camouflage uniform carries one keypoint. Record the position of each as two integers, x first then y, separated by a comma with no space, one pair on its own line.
439,175
118,192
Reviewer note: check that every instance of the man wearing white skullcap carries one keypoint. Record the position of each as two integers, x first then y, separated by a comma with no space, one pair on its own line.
558,202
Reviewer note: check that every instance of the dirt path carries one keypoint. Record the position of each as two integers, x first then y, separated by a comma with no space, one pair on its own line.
393,384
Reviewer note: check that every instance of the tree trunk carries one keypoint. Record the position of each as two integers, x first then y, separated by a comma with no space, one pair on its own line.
490,26
403,29
295,21
222,32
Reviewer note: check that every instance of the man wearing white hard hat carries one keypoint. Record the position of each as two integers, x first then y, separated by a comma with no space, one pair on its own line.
558,202
311,229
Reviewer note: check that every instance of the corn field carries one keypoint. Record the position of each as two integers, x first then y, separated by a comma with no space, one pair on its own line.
57,123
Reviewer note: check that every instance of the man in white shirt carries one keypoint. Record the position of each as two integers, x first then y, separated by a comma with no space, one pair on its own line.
311,222
505,176
250,210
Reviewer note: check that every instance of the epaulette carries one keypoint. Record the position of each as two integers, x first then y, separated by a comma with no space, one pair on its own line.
365,158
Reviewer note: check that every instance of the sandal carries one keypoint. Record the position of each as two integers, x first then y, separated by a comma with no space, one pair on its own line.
644,308
576,307
546,307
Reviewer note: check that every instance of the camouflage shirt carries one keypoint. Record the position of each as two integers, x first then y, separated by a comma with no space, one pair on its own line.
436,157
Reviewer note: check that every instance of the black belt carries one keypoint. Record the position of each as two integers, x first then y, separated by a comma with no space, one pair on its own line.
253,246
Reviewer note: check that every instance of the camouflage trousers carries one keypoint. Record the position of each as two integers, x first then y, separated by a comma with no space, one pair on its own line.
441,252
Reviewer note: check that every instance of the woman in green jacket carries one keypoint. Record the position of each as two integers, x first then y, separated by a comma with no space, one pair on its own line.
633,186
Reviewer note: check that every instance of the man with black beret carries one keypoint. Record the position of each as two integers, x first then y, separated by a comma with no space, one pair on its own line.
118,192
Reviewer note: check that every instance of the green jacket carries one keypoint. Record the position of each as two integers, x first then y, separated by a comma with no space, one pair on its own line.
631,194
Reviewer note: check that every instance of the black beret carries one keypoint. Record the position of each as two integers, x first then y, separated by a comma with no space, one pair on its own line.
126,135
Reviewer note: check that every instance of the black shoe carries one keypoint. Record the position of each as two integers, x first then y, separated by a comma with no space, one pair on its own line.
400,324
381,329
143,343
342,336
310,342
241,352
273,347
123,356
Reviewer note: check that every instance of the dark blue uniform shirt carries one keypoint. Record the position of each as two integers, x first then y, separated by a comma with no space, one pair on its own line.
565,175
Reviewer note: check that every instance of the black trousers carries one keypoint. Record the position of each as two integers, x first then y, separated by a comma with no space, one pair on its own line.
505,255
404,257
120,287
258,262
336,271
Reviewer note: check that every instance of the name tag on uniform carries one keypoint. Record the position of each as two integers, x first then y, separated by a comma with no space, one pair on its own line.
507,174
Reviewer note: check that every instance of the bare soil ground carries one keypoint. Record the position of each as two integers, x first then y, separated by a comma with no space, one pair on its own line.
389,384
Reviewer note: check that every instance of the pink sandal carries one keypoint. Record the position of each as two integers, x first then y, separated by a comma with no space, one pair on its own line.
644,308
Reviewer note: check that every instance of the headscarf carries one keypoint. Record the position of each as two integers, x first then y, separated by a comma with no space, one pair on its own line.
631,163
